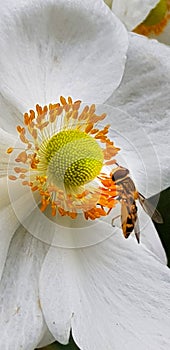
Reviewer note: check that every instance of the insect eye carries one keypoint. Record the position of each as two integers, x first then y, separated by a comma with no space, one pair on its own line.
120,174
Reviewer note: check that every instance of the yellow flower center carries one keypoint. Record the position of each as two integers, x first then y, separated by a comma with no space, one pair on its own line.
156,21
63,153
70,157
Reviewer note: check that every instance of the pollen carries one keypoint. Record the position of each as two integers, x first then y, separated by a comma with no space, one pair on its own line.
156,21
62,153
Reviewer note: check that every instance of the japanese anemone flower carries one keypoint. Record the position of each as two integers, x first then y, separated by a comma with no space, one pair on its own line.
149,17
64,268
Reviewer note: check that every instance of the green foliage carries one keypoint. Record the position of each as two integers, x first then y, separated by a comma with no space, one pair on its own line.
57,346
164,229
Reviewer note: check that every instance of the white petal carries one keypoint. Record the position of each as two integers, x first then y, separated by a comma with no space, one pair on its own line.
46,339
10,116
133,12
21,316
52,48
136,149
114,295
6,141
9,223
144,94
55,284
4,194
150,237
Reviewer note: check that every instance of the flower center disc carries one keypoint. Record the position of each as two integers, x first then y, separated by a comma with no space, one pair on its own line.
62,157
70,157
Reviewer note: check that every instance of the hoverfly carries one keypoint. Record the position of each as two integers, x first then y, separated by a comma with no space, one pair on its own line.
127,195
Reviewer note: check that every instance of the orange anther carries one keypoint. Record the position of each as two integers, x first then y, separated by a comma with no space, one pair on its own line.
92,109
12,177
23,138
61,211
70,101
94,131
45,109
76,105
63,100
20,128
38,109
89,127
22,176
26,119
32,114
17,170
34,188
9,150
110,162
25,183
72,215
53,207
22,157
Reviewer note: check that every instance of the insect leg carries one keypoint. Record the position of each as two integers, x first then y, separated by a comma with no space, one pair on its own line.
116,217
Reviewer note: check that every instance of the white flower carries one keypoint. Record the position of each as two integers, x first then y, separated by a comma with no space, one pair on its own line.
148,17
107,294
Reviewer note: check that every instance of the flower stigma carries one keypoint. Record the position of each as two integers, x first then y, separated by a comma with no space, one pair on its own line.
156,21
62,155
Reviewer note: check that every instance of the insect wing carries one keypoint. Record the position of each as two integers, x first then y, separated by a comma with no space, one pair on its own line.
150,210
137,230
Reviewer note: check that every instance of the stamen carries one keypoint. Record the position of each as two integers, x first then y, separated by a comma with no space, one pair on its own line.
63,154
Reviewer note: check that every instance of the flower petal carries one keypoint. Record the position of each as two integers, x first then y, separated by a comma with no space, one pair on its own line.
150,237
46,339
21,317
9,223
133,12
136,149
109,294
144,94
55,299
6,141
52,48
9,115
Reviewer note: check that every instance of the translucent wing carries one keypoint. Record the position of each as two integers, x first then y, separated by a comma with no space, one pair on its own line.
137,230
150,210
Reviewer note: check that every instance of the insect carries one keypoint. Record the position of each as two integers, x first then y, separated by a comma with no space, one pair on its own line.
127,195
